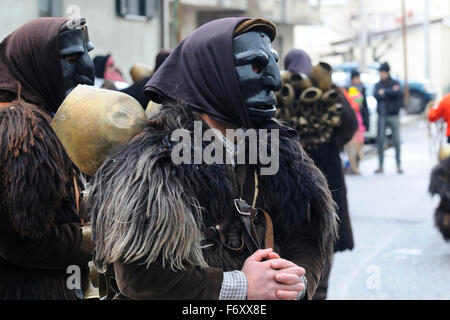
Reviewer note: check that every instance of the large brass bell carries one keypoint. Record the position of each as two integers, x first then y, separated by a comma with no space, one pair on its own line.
152,109
321,74
140,71
311,95
285,76
91,121
444,151
300,82
331,96
286,95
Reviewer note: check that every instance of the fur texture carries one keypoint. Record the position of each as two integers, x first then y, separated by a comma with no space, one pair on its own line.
36,192
144,207
440,185
35,169
440,180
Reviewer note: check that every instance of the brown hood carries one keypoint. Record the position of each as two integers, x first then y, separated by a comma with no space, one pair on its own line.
30,56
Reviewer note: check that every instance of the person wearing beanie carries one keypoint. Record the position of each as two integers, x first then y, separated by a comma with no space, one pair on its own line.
389,98
298,61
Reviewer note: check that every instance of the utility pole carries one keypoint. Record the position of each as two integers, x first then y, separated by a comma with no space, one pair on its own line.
363,32
405,51
176,23
426,27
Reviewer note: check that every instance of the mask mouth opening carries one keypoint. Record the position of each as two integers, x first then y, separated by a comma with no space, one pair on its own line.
261,114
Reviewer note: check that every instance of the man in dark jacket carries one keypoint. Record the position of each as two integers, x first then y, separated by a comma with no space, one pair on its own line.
390,100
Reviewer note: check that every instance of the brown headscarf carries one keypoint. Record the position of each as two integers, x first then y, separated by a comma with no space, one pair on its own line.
30,56
200,73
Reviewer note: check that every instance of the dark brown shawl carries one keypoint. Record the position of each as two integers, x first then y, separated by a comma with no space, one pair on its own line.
200,73
30,56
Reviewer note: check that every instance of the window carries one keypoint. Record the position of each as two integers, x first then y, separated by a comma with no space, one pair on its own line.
50,8
137,9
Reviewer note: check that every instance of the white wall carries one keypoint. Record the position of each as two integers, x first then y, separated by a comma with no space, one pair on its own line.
14,14
128,41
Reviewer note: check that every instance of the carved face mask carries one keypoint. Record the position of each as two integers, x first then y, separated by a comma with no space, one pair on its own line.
77,65
259,76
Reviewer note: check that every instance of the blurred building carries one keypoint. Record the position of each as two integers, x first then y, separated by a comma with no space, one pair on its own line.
135,30
129,30
350,32
286,14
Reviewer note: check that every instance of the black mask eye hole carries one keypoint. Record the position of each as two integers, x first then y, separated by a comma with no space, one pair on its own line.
72,58
257,66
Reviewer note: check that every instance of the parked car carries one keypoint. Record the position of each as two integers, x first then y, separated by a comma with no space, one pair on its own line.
421,90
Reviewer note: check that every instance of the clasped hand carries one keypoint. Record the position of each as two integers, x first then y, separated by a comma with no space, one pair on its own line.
274,278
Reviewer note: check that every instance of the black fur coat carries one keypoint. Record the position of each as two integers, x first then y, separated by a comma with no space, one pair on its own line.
156,221
326,157
40,231
440,185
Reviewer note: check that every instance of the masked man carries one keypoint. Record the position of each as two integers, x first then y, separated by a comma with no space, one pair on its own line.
42,241
191,230
440,182
326,122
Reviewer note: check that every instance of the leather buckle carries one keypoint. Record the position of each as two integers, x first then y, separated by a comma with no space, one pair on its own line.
244,208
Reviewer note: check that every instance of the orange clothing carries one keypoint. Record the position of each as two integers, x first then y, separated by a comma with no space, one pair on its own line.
441,112
352,102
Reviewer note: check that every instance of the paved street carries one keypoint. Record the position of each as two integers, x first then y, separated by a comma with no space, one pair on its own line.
399,254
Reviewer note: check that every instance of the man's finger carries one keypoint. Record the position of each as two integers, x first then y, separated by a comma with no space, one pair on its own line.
287,295
279,264
273,255
299,287
260,255
299,271
289,279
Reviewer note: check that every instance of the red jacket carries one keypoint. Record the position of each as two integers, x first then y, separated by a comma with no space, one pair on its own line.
442,111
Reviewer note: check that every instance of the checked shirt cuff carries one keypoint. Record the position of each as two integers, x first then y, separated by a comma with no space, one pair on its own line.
234,286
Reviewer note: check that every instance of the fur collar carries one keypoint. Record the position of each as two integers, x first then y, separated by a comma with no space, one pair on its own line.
144,206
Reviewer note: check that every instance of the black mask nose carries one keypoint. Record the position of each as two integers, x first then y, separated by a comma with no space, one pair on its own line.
271,78
84,71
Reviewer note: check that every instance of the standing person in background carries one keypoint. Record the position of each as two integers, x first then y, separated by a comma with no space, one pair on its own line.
364,109
137,89
354,147
105,69
390,100
321,137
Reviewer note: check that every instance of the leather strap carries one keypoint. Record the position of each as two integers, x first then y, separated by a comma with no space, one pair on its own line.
269,241
5,104
77,191
247,215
